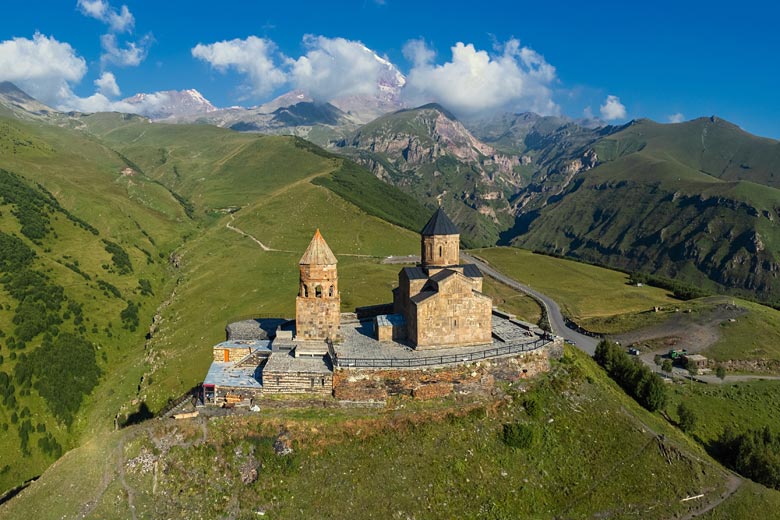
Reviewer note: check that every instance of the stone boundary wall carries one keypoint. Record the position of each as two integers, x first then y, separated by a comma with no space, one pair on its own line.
472,378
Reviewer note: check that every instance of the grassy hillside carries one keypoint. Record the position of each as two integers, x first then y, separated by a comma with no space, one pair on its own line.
583,291
439,460
133,223
695,202
84,251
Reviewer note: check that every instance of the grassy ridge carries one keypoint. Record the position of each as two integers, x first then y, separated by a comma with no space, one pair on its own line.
116,217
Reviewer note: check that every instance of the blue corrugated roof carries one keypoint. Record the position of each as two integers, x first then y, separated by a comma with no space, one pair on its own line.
228,374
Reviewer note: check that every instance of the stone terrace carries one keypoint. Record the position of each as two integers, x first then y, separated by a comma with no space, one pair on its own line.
359,343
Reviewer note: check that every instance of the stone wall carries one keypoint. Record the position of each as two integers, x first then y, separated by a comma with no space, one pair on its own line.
440,250
317,318
297,383
473,378
233,354
456,315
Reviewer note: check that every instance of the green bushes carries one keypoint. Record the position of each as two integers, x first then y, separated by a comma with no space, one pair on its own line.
753,453
130,316
119,257
518,435
635,378
63,370
687,417
680,290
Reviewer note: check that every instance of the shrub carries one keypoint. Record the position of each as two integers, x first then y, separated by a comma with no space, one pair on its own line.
518,435
634,377
753,453
687,417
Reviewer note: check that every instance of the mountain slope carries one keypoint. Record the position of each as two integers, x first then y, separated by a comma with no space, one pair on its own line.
430,154
16,103
695,201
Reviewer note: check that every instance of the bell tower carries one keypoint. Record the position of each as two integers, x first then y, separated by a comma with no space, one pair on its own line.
318,305
440,242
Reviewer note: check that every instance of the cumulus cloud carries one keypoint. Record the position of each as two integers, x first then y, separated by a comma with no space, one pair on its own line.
418,52
612,109
334,67
106,85
43,67
253,57
473,81
131,55
676,118
119,21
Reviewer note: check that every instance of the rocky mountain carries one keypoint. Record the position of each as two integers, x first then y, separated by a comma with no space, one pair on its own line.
16,103
171,104
429,153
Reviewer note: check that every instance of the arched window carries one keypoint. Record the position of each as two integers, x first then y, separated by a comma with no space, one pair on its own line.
330,291
305,291
439,250
318,291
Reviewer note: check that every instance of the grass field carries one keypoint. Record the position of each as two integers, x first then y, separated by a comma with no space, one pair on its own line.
747,405
583,291
183,182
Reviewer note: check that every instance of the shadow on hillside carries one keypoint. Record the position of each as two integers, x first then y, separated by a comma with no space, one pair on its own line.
141,415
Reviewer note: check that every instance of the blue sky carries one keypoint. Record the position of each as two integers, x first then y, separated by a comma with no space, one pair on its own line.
657,59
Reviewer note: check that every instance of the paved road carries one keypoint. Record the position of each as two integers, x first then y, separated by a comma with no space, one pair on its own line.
557,323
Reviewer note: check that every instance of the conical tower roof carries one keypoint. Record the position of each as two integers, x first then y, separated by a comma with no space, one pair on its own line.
318,252
439,224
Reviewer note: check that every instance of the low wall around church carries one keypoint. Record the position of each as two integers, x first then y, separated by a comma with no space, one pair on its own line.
480,377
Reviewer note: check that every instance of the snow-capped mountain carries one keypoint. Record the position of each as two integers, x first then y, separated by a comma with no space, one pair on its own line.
387,98
171,103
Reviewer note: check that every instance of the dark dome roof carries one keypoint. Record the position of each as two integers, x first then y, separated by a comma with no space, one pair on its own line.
439,224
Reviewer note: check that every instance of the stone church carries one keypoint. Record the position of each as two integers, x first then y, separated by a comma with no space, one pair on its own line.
437,304
440,300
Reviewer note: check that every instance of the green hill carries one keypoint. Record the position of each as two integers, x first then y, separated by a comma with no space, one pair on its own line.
119,265
590,451
695,202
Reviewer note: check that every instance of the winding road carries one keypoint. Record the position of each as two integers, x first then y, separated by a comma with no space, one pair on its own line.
587,343
551,308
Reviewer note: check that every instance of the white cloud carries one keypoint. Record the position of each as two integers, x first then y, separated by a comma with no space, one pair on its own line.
253,57
335,67
119,21
612,109
106,85
418,53
587,113
676,118
474,81
43,67
131,55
